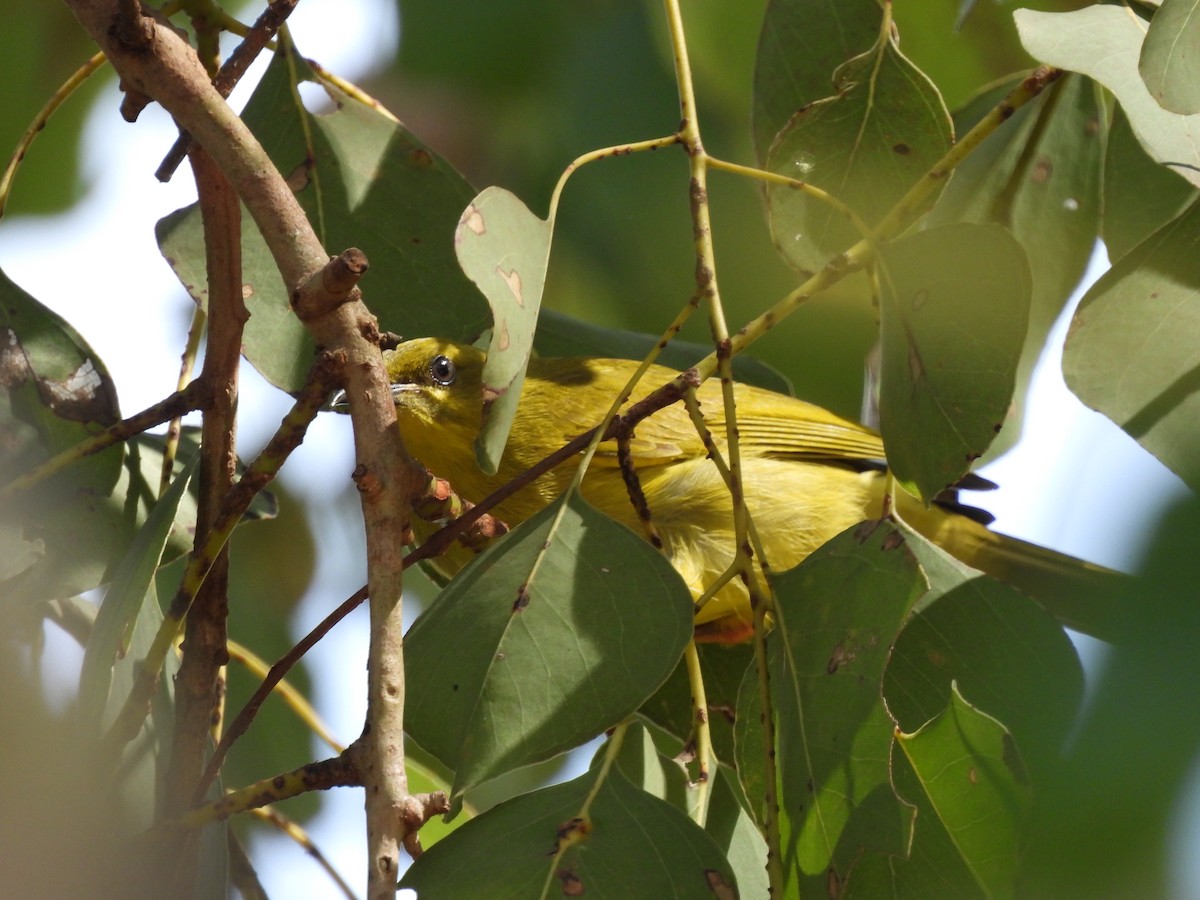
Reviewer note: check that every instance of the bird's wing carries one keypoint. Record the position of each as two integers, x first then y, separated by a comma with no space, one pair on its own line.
769,424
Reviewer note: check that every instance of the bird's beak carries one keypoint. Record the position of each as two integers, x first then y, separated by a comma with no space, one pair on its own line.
339,402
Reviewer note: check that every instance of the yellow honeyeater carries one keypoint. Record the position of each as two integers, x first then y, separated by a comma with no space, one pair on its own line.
807,473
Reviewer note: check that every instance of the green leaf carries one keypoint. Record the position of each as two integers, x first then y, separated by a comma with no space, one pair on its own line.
837,615
55,391
1104,42
504,249
1170,58
1002,649
954,312
801,44
1039,176
670,708
867,145
969,768
559,630
1140,196
652,763
626,843
129,591
79,534
1132,352
364,181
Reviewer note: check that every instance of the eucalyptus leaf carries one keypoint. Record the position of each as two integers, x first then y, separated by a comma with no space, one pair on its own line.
1039,176
504,248
1170,58
80,535
801,44
129,590
866,146
559,630
1104,42
977,785
1006,652
617,841
954,314
837,616
1132,352
1140,196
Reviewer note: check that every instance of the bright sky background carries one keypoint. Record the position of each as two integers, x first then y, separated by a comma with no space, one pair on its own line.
1076,483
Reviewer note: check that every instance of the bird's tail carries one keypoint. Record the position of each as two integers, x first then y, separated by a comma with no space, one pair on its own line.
1083,596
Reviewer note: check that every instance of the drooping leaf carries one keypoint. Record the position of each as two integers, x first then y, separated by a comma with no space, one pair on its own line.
838,614
504,248
866,145
975,780
558,631
1104,42
625,843
1170,58
364,181
129,591
1140,196
801,45
1132,352
1039,176
954,312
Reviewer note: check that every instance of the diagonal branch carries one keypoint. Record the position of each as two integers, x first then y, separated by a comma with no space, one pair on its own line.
156,62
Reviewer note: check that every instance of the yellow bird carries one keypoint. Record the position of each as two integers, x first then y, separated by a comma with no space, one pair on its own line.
808,475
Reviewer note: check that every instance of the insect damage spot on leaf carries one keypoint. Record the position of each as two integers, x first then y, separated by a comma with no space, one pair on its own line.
472,218
572,886
297,179
522,600
14,366
865,529
79,396
512,279
571,832
720,888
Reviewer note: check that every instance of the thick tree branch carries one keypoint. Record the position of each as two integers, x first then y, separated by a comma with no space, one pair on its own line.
155,62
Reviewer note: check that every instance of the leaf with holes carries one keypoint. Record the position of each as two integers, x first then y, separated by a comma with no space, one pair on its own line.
555,633
504,249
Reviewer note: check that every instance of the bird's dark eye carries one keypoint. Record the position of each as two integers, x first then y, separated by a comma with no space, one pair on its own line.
442,371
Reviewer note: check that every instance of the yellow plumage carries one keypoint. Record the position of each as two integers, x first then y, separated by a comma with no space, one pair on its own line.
807,474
